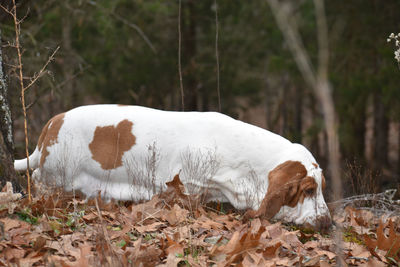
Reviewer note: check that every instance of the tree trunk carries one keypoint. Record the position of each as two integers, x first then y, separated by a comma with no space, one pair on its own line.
315,144
381,131
189,51
7,172
398,159
68,66
318,80
298,114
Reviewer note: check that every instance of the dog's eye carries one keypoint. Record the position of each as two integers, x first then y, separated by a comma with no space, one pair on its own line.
309,191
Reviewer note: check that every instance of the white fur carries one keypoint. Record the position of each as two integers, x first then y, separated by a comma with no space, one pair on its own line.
242,156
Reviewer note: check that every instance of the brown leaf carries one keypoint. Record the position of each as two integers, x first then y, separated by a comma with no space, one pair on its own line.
311,244
371,245
175,215
177,186
329,254
291,239
355,216
10,223
391,243
255,225
64,246
205,222
142,253
40,242
230,223
120,233
147,210
84,257
30,260
174,251
324,264
271,250
173,247
174,194
312,261
14,253
274,230
149,228
228,247
241,241
90,217
253,259
173,260
18,236
374,263
55,260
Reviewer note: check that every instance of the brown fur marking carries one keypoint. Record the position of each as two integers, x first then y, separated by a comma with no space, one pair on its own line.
49,136
109,144
288,185
323,182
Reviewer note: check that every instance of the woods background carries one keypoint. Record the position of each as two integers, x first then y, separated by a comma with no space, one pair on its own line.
127,52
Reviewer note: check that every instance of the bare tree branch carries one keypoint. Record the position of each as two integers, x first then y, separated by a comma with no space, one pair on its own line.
294,42
38,75
10,12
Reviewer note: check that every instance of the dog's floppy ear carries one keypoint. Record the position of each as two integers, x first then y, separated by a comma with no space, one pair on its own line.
283,187
323,183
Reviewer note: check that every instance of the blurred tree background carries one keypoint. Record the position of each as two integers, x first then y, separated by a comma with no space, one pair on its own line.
126,51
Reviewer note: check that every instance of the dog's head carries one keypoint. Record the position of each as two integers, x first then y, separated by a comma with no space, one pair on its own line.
294,195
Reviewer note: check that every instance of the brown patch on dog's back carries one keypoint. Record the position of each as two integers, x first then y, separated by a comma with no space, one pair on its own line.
288,185
49,136
110,143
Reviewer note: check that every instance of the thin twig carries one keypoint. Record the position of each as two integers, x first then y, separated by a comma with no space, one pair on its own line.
13,13
7,11
58,86
37,76
217,54
179,55
19,66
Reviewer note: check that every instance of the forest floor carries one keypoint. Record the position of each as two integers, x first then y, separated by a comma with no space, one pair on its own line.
173,229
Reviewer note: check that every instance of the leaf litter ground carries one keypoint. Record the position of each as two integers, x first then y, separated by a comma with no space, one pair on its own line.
173,229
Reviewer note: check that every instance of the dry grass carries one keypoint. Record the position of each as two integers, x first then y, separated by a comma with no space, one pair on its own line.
361,179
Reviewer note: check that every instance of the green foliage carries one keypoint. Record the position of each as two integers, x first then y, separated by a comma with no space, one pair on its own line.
349,235
26,216
121,243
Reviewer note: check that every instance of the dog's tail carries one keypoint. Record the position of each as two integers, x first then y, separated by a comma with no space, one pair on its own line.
21,164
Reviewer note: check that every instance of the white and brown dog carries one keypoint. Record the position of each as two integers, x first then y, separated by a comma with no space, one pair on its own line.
130,152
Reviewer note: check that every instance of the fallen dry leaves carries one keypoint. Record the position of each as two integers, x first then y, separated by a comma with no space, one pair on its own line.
173,229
